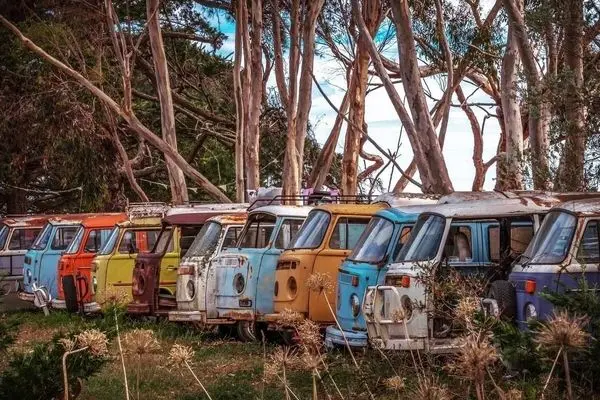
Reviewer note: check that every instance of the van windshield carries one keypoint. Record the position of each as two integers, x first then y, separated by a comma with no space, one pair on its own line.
374,241
551,244
3,235
311,235
74,246
109,245
43,238
206,240
425,239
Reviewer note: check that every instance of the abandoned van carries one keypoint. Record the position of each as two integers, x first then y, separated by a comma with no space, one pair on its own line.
155,272
477,238
74,267
564,250
241,287
41,260
330,233
217,234
17,234
378,246
113,265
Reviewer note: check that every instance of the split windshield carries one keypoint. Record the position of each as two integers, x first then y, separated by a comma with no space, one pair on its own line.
425,239
311,235
551,244
3,236
206,240
43,238
374,241
109,245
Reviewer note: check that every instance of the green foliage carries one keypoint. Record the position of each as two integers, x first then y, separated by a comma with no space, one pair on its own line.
37,375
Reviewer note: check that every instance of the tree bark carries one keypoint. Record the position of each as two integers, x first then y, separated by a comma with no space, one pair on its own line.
179,194
358,90
571,168
139,128
509,172
539,112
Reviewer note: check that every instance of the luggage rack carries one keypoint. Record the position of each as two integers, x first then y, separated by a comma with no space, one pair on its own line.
315,198
146,210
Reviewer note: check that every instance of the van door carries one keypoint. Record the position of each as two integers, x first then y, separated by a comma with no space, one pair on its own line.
341,241
266,273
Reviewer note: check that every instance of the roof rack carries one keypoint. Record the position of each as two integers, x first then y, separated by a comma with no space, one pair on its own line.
145,210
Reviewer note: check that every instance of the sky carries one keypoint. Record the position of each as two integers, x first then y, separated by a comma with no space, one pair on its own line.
383,122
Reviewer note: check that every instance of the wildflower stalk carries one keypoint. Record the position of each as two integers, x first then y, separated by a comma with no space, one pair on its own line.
64,366
121,355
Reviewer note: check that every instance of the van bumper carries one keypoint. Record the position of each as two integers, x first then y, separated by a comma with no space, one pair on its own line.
334,337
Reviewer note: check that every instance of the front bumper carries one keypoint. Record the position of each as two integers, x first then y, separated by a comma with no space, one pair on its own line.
335,337
26,296
187,316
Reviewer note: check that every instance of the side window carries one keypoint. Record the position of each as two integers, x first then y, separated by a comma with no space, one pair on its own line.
402,239
346,233
459,245
96,240
63,237
589,248
231,237
22,239
287,232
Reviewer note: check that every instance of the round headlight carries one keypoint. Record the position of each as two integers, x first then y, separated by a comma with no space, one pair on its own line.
95,284
239,283
407,307
276,288
530,312
355,304
191,289
292,286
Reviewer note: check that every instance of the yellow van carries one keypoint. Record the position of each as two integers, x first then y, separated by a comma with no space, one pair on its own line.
326,238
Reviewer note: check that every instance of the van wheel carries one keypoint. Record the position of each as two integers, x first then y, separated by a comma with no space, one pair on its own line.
246,331
504,294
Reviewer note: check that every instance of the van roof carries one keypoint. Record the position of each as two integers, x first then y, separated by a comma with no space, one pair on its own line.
284,211
486,208
195,213
353,209
581,207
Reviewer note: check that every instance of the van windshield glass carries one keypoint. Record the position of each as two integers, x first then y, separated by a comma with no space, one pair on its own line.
43,238
109,245
3,236
551,244
374,241
74,246
206,240
313,230
425,239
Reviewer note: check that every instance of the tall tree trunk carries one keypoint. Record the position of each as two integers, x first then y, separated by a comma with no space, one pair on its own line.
436,172
252,136
240,126
539,111
372,16
570,171
509,171
179,192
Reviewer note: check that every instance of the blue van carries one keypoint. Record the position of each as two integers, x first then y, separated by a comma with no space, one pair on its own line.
241,279
378,246
40,266
564,250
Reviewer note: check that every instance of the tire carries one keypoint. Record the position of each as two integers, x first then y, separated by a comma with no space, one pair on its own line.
246,331
504,294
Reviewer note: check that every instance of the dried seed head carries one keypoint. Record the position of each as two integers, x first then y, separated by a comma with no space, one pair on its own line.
68,344
140,342
180,355
475,355
319,282
429,388
310,335
562,330
394,383
289,318
94,340
466,309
